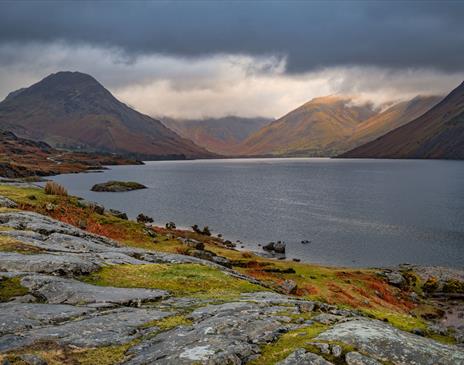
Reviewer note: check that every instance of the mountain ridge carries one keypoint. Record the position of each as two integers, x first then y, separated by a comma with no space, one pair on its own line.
73,110
437,134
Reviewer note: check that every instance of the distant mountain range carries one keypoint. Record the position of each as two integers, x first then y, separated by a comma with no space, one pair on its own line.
74,111
328,126
219,135
310,130
438,133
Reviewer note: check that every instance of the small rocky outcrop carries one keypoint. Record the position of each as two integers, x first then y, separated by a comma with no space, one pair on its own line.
276,247
117,186
118,214
142,218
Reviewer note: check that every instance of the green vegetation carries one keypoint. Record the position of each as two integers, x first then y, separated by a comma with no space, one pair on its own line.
53,188
169,322
453,286
404,322
10,288
287,343
179,279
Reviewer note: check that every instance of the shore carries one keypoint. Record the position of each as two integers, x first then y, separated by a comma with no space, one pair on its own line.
81,285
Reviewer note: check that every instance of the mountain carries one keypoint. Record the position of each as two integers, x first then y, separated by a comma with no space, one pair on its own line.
313,129
439,133
393,117
73,110
218,135
20,157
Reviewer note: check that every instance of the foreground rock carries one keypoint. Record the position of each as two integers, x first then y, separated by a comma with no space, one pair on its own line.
112,328
58,305
388,344
68,291
117,186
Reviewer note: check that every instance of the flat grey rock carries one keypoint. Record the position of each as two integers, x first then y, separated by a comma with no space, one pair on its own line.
303,357
69,291
112,328
222,334
46,226
15,317
385,343
64,264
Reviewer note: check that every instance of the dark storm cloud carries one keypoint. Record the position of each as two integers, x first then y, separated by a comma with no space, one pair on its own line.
311,34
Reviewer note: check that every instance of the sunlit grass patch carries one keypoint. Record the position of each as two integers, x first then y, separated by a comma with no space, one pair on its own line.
167,323
287,343
179,279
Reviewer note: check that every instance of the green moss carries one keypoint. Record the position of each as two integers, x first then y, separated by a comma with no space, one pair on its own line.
179,279
10,288
403,322
287,343
169,322
453,286
430,285
108,355
22,195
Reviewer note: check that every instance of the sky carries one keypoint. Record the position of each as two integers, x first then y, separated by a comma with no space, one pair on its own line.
193,59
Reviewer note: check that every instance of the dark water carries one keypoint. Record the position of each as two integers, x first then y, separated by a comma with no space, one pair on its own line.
354,212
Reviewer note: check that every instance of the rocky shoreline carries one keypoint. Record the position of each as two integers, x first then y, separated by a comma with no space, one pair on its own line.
61,303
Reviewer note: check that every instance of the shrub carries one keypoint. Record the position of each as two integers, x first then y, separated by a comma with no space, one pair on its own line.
183,250
53,188
205,231
247,255
170,225
453,286
431,284
142,218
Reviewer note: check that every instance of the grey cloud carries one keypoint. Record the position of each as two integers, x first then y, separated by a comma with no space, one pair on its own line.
310,34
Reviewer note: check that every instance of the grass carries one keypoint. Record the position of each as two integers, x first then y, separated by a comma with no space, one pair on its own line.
179,279
286,344
10,244
10,288
53,188
167,323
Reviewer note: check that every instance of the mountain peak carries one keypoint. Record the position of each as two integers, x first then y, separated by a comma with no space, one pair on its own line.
70,77
73,110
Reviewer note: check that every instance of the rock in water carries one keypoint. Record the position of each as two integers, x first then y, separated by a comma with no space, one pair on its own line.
117,186
279,247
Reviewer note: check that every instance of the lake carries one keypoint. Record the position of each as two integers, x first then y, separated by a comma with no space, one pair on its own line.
353,212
